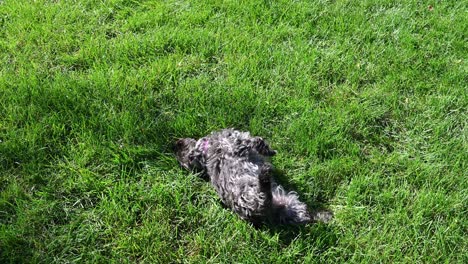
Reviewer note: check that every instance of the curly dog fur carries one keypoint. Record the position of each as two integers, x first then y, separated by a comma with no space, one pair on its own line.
238,167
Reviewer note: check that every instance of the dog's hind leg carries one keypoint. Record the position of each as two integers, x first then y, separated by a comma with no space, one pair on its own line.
262,147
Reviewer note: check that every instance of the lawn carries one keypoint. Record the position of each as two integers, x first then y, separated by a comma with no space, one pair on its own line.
365,101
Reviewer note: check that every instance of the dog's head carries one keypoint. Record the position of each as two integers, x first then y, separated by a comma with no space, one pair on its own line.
187,154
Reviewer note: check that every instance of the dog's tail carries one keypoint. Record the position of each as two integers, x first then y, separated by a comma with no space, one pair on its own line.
286,207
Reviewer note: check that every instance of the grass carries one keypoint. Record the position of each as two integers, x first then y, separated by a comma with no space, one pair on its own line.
366,102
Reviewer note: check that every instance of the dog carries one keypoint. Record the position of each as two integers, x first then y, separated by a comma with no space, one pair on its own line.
238,166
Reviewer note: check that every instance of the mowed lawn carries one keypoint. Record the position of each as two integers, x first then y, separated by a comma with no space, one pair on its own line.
365,101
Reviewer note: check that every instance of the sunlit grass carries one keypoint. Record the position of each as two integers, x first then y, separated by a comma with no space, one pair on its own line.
365,101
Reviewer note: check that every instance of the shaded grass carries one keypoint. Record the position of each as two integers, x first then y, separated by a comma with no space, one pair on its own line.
365,101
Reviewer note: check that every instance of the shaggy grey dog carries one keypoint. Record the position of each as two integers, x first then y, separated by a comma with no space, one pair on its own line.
238,167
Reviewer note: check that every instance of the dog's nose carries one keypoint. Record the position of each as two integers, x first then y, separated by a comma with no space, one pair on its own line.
178,144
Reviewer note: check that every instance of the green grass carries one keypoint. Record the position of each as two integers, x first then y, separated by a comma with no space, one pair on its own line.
366,102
